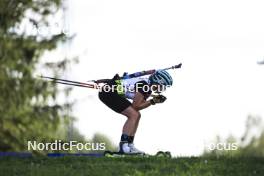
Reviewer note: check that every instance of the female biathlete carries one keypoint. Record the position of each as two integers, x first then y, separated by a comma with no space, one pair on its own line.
138,90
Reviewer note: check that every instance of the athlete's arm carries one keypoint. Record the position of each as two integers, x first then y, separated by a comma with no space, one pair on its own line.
139,102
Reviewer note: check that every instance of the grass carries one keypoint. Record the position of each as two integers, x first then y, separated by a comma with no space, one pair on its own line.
75,166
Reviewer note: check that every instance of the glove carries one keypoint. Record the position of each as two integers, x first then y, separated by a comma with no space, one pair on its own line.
158,99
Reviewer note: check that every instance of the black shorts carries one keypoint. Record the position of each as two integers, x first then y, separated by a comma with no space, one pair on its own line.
114,101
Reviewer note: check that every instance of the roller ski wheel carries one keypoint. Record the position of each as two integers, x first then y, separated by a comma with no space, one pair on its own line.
108,154
163,154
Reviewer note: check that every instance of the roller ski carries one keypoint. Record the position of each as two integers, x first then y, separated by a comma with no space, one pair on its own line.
159,154
129,149
125,149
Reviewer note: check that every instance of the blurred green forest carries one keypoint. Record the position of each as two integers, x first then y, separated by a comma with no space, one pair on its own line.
29,109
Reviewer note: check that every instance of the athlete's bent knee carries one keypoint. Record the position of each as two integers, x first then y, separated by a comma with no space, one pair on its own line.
131,113
136,115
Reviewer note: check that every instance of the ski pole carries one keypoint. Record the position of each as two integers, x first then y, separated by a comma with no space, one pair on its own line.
138,74
173,67
95,86
143,73
70,82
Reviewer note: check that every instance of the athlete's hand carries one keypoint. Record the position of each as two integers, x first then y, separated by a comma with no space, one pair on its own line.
158,99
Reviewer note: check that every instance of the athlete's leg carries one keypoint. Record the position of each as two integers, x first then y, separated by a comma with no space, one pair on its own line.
131,124
129,130
123,106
